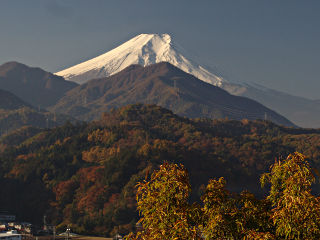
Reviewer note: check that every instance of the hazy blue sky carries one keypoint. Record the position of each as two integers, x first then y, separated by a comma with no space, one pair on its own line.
275,43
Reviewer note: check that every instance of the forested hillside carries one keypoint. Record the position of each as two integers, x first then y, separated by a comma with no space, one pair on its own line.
16,113
85,175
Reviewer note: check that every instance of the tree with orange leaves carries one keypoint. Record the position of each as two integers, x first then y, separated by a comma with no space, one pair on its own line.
296,212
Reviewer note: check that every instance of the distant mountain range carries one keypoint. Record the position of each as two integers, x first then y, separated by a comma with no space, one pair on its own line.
165,85
34,85
147,49
302,111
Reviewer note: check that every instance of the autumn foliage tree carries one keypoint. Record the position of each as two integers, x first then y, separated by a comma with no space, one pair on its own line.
290,211
296,212
233,216
163,203
220,212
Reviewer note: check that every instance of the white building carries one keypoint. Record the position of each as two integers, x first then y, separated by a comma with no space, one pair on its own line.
10,235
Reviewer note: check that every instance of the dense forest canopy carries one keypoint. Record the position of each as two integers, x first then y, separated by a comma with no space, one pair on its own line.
84,175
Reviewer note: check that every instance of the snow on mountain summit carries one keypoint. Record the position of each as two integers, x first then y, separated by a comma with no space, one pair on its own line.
144,49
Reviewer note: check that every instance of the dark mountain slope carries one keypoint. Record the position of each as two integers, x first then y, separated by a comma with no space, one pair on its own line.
164,85
33,85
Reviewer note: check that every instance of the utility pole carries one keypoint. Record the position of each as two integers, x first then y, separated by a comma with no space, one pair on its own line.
54,232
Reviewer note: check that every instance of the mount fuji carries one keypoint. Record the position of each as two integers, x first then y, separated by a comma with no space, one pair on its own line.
144,49
148,49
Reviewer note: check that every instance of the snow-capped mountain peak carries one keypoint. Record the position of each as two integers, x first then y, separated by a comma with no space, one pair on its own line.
144,49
